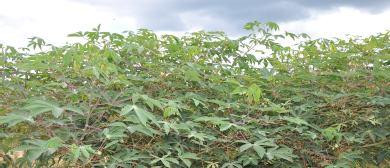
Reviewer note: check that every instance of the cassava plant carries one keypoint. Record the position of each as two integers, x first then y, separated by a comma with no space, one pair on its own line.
137,99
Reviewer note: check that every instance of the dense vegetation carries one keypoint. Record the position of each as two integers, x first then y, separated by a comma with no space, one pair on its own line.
200,100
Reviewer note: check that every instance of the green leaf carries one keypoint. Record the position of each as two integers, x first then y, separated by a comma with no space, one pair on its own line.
189,155
197,102
192,75
245,147
173,160
296,120
75,152
254,93
166,128
111,144
86,151
259,150
54,142
265,142
76,34
240,91
225,127
187,162
170,111
144,115
39,106
151,102
166,163
126,109
282,153
272,25
74,109
15,118
274,109
331,133
34,154
142,129
96,72
57,112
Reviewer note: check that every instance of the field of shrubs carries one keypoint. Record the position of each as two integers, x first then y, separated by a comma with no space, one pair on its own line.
138,99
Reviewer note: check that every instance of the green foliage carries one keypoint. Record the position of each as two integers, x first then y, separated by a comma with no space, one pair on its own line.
137,99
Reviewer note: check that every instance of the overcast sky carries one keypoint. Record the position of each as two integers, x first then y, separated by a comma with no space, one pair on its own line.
54,19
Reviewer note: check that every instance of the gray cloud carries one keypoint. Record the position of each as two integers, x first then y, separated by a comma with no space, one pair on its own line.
166,14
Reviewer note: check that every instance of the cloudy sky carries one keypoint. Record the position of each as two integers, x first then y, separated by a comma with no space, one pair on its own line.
54,19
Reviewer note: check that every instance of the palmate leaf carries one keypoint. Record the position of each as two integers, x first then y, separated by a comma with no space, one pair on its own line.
173,108
114,133
259,150
296,120
142,115
265,142
254,93
245,147
258,147
191,75
272,25
299,121
54,142
166,160
240,91
234,164
128,155
37,107
15,118
73,109
146,130
213,120
200,136
274,109
187,157
151,102
83,152
247,160
35,148
222,123
280,153
197,102
171,111
111,144
332,133
147,100
126,110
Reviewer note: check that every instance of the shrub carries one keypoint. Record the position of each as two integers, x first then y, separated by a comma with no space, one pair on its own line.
137,99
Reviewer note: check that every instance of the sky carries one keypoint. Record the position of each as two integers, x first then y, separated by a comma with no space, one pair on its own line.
54,19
